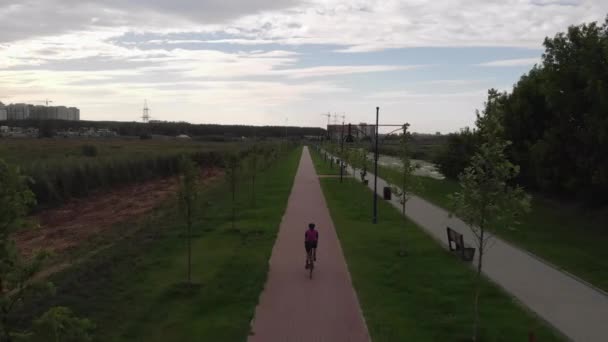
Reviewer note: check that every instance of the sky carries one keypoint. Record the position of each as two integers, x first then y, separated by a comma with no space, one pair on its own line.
276,62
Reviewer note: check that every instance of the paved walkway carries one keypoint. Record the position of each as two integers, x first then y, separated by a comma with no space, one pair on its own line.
293,307
573,307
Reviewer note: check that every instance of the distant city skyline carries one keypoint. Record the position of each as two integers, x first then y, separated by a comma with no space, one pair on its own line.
260,62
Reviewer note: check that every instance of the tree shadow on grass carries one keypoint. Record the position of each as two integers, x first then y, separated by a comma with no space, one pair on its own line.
182,290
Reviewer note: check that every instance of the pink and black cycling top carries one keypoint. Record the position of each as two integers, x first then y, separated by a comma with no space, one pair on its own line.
311,235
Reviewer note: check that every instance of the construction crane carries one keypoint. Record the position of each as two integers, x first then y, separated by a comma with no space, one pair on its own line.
47,101
328,117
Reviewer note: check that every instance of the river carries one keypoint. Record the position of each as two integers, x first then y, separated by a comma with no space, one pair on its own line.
425,168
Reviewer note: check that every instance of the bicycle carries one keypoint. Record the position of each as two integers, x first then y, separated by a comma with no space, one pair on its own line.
310,262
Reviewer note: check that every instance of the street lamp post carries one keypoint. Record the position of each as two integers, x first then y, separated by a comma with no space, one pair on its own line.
375,135
375,218
342,152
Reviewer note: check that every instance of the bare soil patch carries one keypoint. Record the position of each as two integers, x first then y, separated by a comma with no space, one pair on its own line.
62,229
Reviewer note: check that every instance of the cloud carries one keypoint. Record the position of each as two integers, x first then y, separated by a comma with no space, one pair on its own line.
512,62
459,82
359,25
260,56
432,96
372,25
341,70
34,18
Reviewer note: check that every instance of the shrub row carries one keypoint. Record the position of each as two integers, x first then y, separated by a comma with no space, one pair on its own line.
53,182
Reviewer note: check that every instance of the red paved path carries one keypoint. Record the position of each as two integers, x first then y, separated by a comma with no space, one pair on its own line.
293,307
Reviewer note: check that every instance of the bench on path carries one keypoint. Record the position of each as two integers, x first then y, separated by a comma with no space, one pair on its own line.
457,245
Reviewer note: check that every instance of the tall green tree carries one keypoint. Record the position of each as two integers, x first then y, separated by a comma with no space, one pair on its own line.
456,154
486,199
188,194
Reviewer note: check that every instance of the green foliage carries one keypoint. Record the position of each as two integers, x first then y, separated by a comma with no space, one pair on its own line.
59,324
145,130
407,183
89,150
233,165
486,199
188,193
363,164
46,129
556,118
188,183
130,292
253,166
422,146
322,163
456,154
16,284
60,170
15,199
358,160
424,297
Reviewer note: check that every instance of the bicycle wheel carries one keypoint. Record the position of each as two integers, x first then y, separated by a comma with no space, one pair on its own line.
310,268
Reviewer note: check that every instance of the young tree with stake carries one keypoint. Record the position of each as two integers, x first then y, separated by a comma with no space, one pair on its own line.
253,168
408,183
232,170
364,164
188,193
486,199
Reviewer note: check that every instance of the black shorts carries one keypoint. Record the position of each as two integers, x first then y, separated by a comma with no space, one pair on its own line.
310,245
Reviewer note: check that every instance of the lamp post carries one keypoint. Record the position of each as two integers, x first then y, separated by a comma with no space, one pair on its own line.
376,137
342,151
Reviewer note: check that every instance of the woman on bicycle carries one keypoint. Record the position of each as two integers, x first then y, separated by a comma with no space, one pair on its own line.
311,239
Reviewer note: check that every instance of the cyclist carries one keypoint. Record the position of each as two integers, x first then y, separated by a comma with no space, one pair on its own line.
311,238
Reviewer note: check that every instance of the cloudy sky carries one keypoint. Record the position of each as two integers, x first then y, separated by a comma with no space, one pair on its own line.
429,63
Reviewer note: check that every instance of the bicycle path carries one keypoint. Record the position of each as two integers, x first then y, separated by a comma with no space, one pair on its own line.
573,307
293,307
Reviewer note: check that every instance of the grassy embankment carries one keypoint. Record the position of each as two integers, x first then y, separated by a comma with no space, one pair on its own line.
426,295
569,237
323,167
132,289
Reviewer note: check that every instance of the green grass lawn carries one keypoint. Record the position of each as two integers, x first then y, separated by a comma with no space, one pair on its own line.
426,295
132,292
322,166
568,237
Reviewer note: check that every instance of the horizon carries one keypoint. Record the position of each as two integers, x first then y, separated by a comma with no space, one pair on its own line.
276,63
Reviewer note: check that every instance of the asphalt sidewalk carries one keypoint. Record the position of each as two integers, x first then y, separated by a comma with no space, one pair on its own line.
293,307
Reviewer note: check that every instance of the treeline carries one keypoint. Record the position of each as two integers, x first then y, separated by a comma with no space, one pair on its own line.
172,128
556,118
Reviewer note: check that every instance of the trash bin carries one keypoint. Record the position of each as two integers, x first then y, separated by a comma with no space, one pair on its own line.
387,193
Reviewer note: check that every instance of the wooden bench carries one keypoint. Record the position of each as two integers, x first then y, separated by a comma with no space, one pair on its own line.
457,245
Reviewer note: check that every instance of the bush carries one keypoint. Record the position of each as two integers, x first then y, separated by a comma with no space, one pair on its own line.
56,182
89,150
